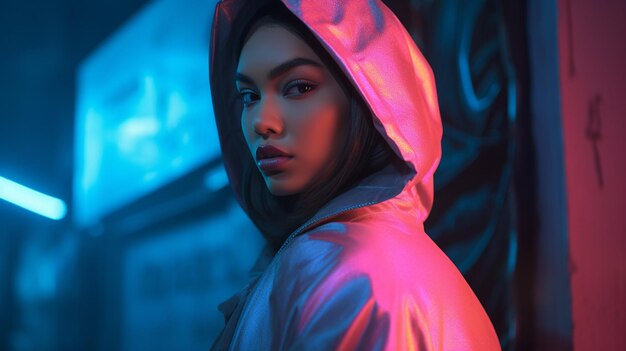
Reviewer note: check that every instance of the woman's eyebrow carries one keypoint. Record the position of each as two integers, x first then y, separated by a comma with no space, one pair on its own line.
280,69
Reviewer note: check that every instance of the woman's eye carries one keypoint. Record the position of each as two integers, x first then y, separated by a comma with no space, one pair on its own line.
247,97
299,87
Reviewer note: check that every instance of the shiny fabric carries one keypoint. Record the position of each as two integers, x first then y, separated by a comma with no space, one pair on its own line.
361,273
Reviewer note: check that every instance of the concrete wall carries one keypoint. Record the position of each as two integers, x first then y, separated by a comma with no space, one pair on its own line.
592,54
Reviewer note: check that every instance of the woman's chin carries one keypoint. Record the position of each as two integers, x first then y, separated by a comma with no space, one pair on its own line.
281,187
281,191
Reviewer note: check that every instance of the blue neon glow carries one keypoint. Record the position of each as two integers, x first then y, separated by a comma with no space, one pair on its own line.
32,200
143,108
216,179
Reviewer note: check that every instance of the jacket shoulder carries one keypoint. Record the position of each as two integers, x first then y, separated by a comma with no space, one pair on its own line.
368,280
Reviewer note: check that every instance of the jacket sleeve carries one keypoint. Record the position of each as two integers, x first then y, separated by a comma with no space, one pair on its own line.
314,308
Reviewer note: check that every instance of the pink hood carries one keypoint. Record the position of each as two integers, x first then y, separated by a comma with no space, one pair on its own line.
375,52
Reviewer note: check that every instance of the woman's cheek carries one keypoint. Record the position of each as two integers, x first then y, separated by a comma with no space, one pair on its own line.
322,127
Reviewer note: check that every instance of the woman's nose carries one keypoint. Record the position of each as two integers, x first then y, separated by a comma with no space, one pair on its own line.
268,120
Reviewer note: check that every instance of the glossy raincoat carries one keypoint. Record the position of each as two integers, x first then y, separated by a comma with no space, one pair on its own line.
361,273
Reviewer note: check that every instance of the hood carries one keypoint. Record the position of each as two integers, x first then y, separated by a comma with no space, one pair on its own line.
376,54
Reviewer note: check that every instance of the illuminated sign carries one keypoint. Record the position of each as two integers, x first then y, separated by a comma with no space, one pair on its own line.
144,115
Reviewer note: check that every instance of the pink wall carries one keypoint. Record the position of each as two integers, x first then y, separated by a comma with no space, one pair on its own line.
592,49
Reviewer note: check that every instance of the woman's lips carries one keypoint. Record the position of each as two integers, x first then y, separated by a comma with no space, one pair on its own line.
273,165
271,159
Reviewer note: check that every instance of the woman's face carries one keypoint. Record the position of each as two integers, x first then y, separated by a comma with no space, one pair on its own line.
292,103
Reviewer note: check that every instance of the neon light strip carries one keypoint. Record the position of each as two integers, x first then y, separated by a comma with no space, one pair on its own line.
32,200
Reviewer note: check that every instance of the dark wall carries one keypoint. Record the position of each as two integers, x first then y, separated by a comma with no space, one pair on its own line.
41,44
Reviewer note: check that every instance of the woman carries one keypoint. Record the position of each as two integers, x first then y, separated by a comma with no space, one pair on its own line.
330,134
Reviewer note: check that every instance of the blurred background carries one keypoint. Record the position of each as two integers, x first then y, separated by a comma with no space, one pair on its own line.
118,229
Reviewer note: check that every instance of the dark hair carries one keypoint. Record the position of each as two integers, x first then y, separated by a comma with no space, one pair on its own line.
364,151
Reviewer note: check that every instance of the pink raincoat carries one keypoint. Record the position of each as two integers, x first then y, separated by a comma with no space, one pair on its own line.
361,273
